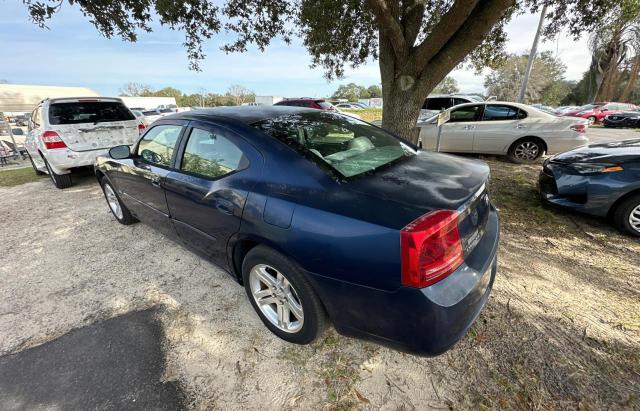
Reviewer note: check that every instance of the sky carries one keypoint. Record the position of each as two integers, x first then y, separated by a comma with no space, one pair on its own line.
73,53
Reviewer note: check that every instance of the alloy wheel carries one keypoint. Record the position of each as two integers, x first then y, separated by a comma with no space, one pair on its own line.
112,199
276,298
634,218
526,151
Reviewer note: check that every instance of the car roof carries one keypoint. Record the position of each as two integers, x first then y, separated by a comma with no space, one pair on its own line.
242,114
302,99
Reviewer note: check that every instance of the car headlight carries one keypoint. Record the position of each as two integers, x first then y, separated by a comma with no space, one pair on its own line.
595,168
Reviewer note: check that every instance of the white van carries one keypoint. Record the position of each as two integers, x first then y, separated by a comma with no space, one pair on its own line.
65,133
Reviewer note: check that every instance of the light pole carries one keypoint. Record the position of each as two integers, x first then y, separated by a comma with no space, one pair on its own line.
532,56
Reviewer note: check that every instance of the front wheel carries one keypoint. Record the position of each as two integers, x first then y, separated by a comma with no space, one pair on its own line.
282,296
59,180
117,207
592,120
626,216
525,150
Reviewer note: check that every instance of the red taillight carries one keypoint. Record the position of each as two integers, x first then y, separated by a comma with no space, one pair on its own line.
580,128
431,248
141,128
52,140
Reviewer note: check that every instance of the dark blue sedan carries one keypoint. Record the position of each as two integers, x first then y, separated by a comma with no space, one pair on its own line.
323,218
600,179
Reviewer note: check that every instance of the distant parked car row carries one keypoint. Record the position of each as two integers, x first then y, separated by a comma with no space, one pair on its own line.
596,112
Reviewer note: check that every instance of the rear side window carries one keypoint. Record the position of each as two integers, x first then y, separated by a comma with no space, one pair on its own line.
457,101
157,145
211,155
437,103
326,105
88,112
496,113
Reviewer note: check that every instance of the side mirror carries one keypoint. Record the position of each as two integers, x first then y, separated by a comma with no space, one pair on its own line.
119,152
17,132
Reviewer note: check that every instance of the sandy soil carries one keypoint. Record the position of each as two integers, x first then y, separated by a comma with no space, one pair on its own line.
561,329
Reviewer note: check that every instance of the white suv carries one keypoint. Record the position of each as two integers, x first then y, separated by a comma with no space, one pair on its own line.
66,133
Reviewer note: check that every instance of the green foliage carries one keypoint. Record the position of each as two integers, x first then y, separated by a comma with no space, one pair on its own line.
447,86
545,84
9,178
234,96
353,92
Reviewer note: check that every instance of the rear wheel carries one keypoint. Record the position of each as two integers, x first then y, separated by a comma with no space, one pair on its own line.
117,207
525,150
282,296
59,180
38,172
626,216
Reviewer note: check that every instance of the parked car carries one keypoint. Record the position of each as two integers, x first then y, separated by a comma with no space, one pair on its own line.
598,111
623,119
151,115
434,103
348,106
601,180
21,120
519,131
560,111
317,104
584,108
321,217
66,133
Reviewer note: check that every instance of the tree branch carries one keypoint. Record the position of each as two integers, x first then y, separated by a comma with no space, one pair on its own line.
390,26
412,16
442,32
470,35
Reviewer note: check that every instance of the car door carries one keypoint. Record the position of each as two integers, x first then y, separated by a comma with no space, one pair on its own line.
142,177
215,170
34,131
457,133
501,125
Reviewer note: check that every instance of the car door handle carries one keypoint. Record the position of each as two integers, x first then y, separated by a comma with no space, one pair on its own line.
225,206
521,126
469,127
155,181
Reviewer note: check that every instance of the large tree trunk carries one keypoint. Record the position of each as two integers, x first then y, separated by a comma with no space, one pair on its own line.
410,71
633,77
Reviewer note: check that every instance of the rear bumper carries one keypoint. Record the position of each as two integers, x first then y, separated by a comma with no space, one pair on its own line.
425,321
64,159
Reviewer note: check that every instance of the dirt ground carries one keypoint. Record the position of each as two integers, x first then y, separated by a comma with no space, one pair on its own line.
560,331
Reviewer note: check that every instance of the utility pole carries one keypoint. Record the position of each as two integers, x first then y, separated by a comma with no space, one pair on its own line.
532,56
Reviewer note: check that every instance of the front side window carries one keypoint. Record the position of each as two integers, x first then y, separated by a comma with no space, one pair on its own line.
88,112
328,106
158,143
496,113
466,113
346,145
211,155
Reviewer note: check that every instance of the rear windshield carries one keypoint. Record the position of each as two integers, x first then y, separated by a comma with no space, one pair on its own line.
88,112
343,144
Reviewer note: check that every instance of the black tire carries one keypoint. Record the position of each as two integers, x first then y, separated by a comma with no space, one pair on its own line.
315,318
622,213
59,180
38,172
126,218
521,150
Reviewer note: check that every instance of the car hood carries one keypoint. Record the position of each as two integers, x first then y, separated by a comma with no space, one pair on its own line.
610,152
426,181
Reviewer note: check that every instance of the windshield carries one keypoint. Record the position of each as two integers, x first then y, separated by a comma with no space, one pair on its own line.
88,112
345,144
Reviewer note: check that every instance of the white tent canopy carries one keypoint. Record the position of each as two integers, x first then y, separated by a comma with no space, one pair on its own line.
20,98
